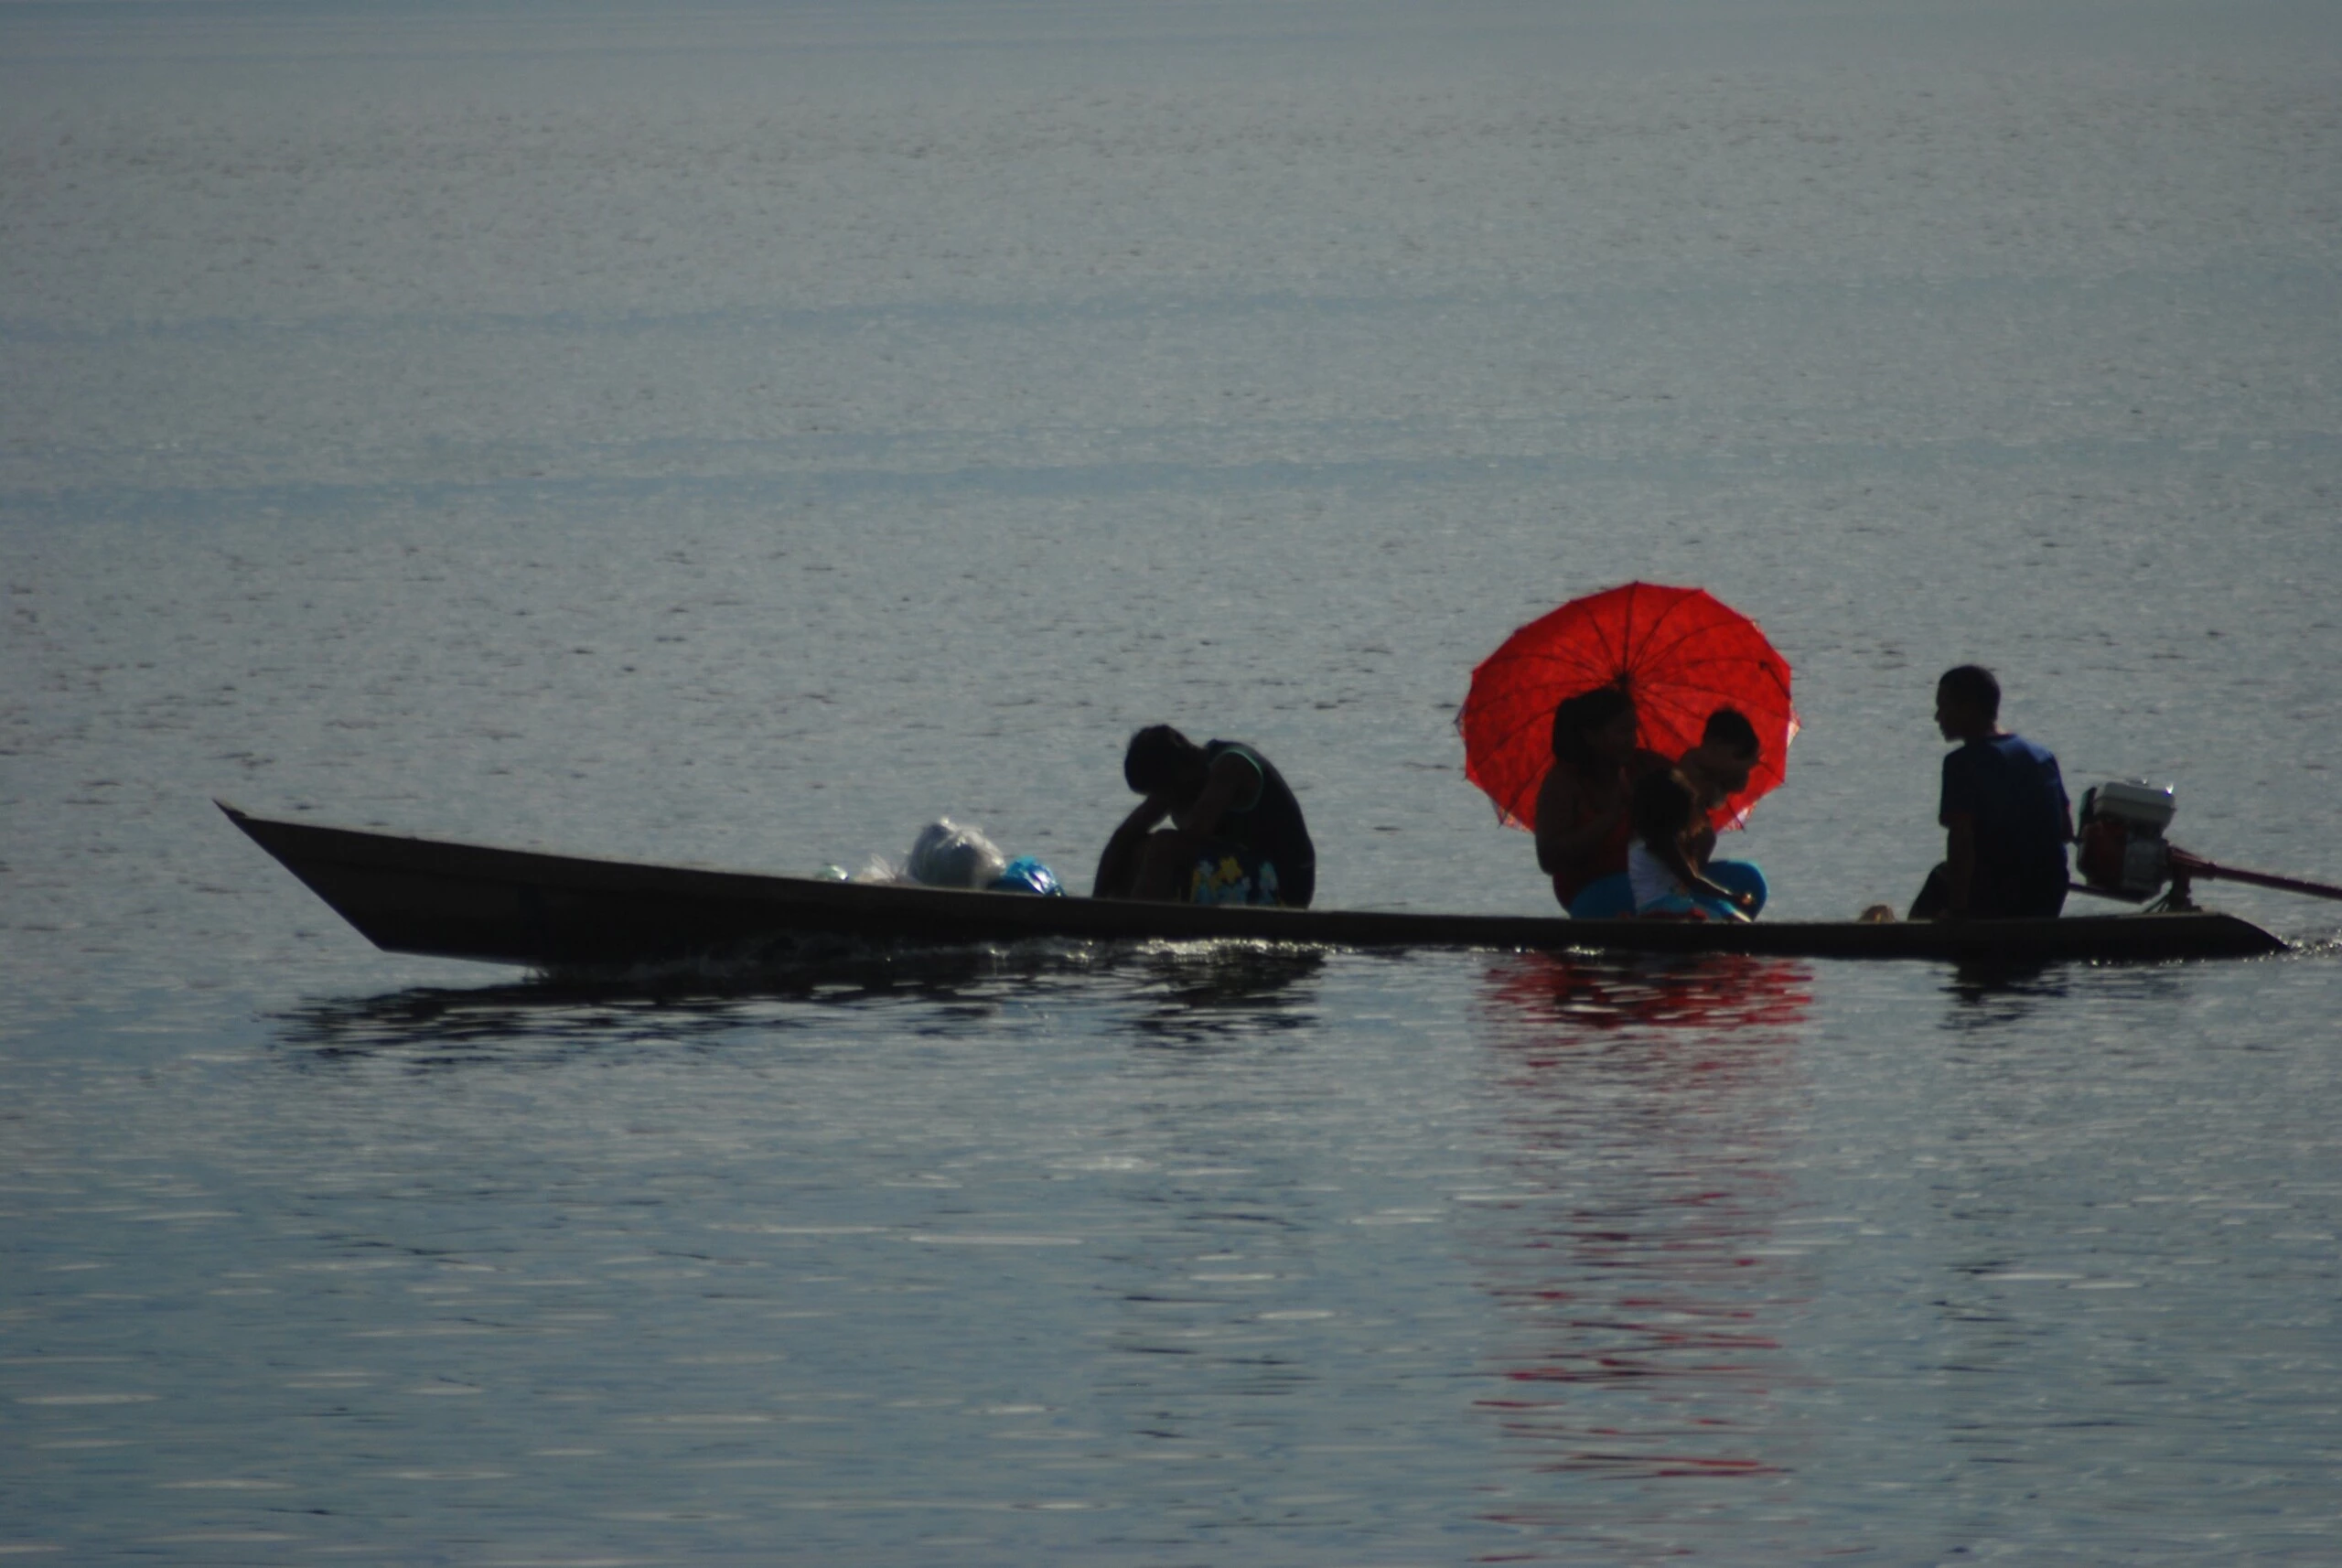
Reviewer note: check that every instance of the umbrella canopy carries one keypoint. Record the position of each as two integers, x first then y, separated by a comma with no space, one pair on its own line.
1679,652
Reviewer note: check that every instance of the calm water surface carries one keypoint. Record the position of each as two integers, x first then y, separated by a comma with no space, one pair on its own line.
740,439
1188,1255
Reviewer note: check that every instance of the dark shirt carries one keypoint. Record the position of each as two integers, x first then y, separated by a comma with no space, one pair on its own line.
2012,791
1269,826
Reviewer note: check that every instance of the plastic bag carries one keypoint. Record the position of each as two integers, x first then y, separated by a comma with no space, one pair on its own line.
952,854
1025,873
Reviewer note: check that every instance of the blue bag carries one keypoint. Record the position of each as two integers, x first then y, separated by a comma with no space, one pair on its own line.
1025,873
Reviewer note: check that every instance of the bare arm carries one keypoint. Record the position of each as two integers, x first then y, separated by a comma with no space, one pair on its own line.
1118,866
1678,864
1558,842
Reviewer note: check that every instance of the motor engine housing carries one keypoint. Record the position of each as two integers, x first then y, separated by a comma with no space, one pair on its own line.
2121,848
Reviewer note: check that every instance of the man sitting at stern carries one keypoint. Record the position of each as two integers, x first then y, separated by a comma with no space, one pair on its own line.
2006,817
1235,835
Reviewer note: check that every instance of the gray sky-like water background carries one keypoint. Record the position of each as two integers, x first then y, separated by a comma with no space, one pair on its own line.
737,435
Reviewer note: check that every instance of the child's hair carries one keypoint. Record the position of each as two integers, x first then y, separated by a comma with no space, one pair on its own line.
1578,716
1663,806
1730,728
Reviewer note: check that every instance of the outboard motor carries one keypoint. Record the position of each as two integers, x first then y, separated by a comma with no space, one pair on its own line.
2123,852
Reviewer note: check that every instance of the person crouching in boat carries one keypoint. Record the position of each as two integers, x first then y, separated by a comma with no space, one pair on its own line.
1582,807
1235,835
1666,880
1718,768
2006,817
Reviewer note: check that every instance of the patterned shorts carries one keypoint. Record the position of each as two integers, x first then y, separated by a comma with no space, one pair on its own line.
1226,874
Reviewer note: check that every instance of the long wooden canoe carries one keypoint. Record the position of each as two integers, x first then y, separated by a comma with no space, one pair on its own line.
558,911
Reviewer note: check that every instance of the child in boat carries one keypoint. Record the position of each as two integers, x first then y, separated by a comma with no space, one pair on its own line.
1719,768
1665,811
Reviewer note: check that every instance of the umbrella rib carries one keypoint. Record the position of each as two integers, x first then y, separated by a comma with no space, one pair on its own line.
1692,681
1602,658
1519,727
1745,665
1682,638
1620,655
1682,598
1502,740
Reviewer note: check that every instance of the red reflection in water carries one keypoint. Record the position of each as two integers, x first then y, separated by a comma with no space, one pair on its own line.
1632,1241
1721,990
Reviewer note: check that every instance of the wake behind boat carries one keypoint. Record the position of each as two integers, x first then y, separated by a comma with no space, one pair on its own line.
555,911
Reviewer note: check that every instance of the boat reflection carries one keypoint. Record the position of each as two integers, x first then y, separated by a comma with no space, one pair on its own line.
1210,994
1633,1235
1191,994
432,1026
1994,996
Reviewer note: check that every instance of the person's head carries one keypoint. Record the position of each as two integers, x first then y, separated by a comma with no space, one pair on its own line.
1968,703
1663,806
1728,751
1159,758
1595,730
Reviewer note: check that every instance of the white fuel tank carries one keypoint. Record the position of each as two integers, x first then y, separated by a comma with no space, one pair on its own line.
2135,801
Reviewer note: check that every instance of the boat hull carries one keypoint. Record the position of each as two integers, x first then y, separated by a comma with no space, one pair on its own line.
553,911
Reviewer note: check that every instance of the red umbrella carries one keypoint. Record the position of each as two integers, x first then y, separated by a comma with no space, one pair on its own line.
1680,653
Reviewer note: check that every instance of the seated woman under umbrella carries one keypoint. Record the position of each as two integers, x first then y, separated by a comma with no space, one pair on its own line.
1622,830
